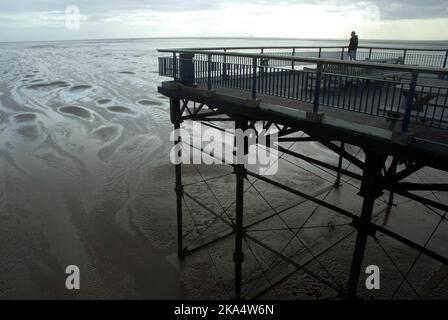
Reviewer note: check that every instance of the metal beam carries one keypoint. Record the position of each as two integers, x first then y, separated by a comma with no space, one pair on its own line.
238,255
303,195
397,177
340,170
319,163
370,191
295,264
343,153
213,213
202,115
423,186
413,245
176,119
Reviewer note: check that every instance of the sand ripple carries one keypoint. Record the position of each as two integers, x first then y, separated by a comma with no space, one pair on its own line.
24,117
48,86
80,87
120,109
149,103
104,101
76,111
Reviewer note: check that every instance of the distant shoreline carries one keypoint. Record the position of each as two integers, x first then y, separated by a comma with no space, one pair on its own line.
436,42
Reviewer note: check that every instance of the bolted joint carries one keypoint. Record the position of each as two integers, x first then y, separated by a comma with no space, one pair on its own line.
401,138
179,189
367,227
376,193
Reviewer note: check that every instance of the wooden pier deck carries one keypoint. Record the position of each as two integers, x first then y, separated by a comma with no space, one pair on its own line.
390,124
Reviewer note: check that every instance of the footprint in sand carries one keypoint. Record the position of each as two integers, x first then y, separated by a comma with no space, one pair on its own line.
25,117
48,86
80,87
149,103
76,111
120,109
104,101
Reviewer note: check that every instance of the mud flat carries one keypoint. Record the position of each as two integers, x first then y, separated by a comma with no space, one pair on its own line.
85,179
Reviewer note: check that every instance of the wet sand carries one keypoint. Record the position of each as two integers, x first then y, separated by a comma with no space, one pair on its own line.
85,179
79,157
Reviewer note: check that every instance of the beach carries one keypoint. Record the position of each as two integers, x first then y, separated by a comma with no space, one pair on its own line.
85,179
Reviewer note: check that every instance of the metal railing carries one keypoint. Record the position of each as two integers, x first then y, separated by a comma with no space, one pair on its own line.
397,91
435,58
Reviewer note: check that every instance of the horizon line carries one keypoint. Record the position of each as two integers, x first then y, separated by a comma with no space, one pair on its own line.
217,37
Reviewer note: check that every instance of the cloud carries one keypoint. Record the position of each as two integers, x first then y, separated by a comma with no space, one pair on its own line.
389,9
287,18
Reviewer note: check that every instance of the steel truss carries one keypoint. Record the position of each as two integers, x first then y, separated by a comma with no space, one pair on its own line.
378,174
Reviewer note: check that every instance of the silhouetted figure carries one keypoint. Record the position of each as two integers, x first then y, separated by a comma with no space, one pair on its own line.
353,46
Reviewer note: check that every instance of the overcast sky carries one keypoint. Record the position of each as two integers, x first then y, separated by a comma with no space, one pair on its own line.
376,19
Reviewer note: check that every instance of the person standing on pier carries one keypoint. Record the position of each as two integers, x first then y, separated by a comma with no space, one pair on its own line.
353,46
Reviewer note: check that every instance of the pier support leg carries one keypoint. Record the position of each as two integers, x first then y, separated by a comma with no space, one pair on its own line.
176,120
392,171
238,255
337,183
370,190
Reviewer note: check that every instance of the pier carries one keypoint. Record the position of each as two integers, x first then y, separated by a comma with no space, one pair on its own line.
391,104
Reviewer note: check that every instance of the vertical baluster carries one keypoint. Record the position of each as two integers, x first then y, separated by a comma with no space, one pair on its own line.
409,103
175,66
254,78
436,103
444,106
317,90
293,55
209,71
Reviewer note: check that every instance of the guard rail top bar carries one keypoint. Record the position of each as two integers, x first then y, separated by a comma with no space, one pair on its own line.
373,65
309,47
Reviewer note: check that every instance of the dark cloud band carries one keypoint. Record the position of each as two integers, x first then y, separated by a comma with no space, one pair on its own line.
389,10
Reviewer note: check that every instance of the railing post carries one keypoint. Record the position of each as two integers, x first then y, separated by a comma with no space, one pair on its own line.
254,78
409,103
262,50
186,69
405,52
320,52
164,66
446,59
293,54
175,66
317,89
209,71
224,67
370,53
342,53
